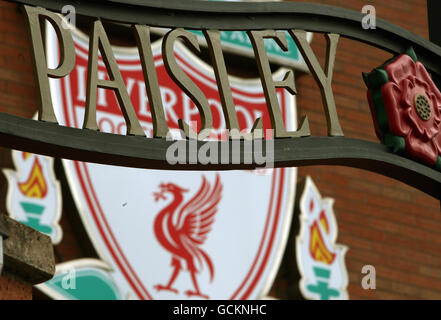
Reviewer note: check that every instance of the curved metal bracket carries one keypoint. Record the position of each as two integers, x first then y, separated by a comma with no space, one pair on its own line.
254,16
134,151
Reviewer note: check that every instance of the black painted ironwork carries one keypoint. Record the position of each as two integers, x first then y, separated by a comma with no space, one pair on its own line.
87,145
132,151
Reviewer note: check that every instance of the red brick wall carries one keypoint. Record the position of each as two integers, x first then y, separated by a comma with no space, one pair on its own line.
383,222
13,288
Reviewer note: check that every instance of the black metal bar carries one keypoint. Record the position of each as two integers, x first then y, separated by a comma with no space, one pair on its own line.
93,146
254,16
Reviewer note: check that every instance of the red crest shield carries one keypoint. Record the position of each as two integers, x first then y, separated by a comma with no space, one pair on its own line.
178,234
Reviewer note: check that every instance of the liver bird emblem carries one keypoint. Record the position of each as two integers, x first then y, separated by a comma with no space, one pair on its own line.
181,228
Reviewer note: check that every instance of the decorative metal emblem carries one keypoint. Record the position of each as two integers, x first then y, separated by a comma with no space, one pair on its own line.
176,246
422,106
406,107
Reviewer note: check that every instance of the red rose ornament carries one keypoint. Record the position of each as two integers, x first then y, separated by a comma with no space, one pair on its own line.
405,106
